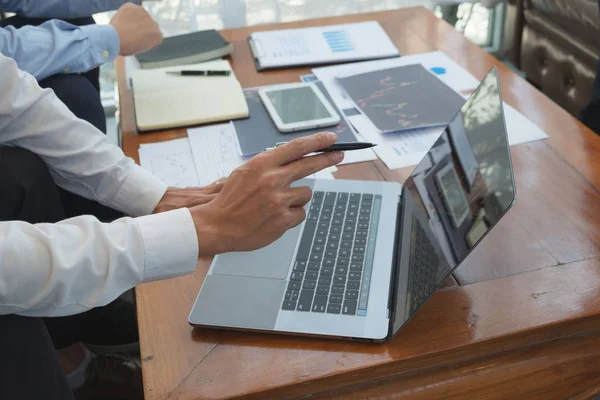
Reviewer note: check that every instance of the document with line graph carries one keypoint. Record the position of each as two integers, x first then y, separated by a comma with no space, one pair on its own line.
320,45
402,98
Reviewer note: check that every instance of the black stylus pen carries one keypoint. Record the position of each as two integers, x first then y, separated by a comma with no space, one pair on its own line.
199,73
340,146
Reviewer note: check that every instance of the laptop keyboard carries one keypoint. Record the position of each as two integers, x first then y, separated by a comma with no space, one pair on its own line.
424,263
333,265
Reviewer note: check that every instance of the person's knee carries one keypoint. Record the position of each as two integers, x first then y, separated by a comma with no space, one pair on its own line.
80,96
22,171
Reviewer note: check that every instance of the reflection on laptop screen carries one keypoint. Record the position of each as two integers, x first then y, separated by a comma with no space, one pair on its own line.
462,187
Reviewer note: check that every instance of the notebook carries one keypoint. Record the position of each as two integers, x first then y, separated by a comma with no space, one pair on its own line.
165,101
320,45
186,49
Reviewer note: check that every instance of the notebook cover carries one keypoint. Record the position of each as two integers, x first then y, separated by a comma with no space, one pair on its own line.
184,46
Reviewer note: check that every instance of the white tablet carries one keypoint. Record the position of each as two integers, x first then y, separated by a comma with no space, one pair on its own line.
298,106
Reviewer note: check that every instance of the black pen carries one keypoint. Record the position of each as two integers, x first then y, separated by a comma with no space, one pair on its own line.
340,146
199,73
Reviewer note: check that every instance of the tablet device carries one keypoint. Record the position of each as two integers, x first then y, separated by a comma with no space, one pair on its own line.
298,106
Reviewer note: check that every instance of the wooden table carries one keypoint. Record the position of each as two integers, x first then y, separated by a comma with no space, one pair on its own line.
520,319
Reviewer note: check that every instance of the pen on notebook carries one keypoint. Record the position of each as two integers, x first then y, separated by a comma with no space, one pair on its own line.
339,146
199,73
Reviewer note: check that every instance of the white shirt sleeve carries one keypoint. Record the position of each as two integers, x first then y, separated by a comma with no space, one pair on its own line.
69,267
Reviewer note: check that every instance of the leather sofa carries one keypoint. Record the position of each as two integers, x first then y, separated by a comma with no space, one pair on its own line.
557,46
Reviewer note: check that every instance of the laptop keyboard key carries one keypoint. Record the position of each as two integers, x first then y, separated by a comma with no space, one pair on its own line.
288,294
351,294
327,210
367,197
332,246
336,298
343,197
361,234
334,237
355,198
305,300
315,208
300,266
289,305
337,222
297,276
313,216
318,249
344,253
325,280
334,308
314,266
311,275
319,241
323,290
359,249
353,206
323,225
348,236
354,276
360,242
321,232
335,288
336,229
316,257
330,254
356,267
358,258
328,263
295,295
346,245
306,241
319,303
318,194
329,199
362,226
338,214
339,280
317,200
343,261
354,285
325,217
294,285
349,307
327,271
341,270
309,285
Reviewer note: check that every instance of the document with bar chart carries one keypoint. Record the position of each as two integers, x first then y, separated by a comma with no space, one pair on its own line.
321,45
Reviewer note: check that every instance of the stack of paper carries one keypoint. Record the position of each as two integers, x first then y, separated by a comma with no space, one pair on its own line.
205,156
407,148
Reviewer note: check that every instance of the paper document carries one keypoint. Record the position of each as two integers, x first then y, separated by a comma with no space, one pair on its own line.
320,45
216,153
171,161
406,149
438,63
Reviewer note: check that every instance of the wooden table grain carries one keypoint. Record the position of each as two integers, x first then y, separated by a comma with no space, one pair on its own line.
520,319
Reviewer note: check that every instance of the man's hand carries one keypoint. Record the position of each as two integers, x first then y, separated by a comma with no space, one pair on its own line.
137,31
176,198
256,204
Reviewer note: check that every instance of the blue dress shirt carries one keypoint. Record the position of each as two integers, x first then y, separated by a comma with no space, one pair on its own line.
56,46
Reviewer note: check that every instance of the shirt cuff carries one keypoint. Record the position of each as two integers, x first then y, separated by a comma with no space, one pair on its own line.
171,244
104,42
140,193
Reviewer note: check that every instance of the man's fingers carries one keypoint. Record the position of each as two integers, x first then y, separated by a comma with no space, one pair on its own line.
298,148
298,196
296,216
309,165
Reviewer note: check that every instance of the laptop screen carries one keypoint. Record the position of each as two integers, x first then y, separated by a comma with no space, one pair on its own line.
456,194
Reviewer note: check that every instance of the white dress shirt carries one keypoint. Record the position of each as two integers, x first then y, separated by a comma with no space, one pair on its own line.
77,264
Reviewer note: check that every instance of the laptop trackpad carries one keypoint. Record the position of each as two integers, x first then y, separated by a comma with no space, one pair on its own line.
272,261
233,301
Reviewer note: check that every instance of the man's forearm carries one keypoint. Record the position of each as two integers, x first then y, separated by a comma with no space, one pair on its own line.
58,47
62,9
81,159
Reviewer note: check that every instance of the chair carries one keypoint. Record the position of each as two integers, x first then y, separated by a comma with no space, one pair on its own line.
557,45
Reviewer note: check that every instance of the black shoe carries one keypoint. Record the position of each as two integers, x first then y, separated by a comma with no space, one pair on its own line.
112,377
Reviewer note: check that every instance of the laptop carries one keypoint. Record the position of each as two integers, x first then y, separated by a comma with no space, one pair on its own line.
369,254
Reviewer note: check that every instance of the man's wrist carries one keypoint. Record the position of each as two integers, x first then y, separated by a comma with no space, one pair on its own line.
104,41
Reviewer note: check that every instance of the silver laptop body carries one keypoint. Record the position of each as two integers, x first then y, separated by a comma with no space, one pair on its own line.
371,253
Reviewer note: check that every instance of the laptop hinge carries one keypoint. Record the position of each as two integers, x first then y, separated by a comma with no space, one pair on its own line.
394,276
